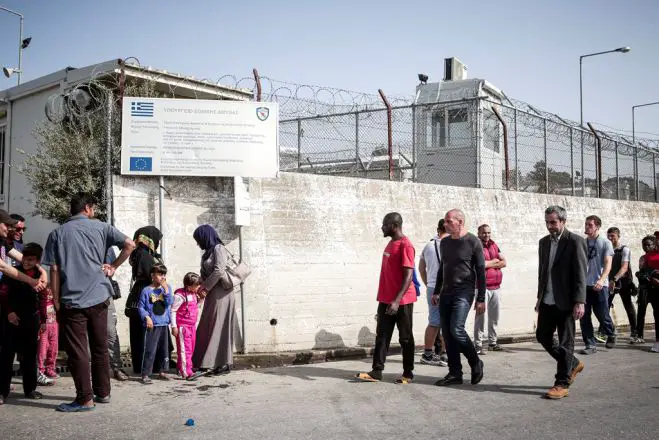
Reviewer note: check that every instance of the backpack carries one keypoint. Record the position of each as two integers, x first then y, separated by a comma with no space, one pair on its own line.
417,285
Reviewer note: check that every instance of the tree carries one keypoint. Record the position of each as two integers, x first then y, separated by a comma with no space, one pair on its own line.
70,155
557,179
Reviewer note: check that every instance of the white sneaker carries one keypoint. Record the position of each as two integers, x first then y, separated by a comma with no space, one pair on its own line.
44,380
655,348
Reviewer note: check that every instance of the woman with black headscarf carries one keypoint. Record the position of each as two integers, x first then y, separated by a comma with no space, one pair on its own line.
142,260
213,353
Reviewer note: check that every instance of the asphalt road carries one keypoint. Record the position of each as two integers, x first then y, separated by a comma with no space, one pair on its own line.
616,397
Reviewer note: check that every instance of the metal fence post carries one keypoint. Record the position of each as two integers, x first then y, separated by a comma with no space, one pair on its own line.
390,139
505,146
598,160
636,185
357,136
299,144
572,159
516,161
583,176
617,174
544,138
654,175
413,143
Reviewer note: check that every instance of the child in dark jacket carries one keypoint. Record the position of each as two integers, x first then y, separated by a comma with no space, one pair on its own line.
21,327
154,308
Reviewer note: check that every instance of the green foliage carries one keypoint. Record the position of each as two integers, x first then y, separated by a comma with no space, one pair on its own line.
71,156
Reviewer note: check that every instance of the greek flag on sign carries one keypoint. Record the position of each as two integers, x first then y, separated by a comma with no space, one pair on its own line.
141,109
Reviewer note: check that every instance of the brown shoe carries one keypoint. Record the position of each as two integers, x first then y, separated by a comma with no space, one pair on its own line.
557,392
120,375
576,370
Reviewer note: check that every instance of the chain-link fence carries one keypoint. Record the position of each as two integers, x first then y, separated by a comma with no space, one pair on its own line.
474,143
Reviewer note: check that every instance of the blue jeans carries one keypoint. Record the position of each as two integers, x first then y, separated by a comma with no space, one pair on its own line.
433,310
453,309
597,302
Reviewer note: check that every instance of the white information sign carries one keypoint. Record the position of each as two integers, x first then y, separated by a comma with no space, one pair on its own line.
194,137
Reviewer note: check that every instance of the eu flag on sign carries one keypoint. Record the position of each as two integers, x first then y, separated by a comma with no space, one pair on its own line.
141,163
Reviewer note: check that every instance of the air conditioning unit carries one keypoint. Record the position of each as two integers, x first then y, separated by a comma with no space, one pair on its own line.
454,69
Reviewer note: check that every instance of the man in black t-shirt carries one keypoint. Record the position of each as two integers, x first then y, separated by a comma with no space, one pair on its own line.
461,272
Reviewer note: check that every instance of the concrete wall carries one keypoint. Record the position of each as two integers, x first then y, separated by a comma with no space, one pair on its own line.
316,246
26,113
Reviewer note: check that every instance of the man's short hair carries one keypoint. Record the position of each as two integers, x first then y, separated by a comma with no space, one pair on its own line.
394,218
558,210
80,201
481,227
440,226
32,250
613,230
159,269
18,217
595,219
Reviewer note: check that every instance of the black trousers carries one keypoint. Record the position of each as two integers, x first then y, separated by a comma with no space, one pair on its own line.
550,319
648,295
86,336
155,350
625,292
384,332
21,339
136,331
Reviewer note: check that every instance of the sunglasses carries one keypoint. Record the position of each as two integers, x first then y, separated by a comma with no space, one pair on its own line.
23,229
592,252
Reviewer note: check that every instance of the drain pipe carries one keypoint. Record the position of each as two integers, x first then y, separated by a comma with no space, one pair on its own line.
505,145
599,160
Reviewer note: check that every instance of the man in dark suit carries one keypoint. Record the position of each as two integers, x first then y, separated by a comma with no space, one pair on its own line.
561,296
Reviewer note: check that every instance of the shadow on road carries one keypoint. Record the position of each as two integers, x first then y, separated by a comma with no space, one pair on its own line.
313,372
17,399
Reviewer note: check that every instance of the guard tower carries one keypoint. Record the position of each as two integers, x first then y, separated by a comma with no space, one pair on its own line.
458,139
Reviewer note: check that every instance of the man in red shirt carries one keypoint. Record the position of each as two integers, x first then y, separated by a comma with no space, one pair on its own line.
396,297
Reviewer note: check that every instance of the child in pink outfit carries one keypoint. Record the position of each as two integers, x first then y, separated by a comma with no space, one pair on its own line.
183,322
48,335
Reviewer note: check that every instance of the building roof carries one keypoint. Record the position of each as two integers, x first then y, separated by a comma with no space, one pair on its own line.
184,86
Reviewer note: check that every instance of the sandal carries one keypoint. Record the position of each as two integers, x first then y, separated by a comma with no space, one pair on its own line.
366,377
404,380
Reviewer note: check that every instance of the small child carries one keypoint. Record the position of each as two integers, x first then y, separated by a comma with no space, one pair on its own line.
184,321
48,338
154,309
21,328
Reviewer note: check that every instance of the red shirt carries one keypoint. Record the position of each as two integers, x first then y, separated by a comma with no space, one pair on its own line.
651,260
397,255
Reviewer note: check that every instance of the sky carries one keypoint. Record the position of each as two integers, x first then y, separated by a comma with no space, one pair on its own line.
529,49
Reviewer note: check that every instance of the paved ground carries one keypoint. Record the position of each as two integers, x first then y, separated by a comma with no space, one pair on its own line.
616,397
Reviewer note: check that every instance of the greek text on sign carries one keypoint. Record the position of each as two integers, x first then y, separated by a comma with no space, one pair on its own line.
194,137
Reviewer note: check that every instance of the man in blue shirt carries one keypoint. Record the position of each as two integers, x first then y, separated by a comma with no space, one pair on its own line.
600,257
76,253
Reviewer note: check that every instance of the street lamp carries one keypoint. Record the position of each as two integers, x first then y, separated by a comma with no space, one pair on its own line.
620,49
23,43
633,123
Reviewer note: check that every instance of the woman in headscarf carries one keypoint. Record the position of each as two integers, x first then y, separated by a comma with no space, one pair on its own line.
213,353
142,260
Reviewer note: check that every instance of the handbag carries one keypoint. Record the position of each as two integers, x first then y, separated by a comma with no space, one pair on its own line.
237,270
